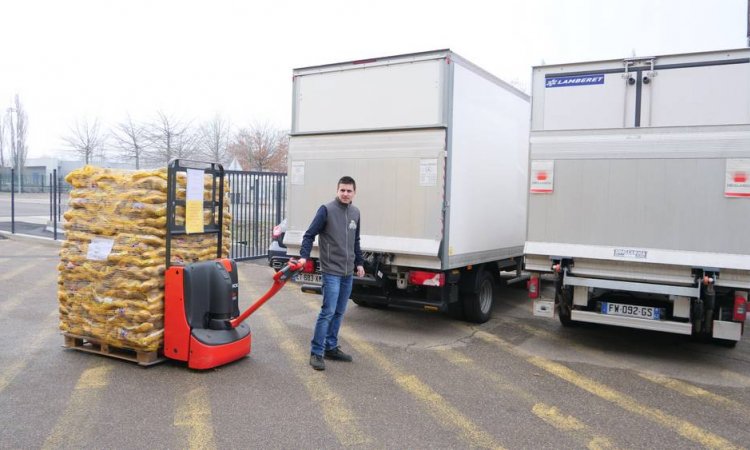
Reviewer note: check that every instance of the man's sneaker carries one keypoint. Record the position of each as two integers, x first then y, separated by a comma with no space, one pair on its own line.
337,355
317,363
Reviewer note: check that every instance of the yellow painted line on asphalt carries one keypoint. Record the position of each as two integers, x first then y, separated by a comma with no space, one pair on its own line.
549,414
437,406
9,372
75,427
681,387
340,418
17,271
682,427
19,296
736,377
570,424
193,418
696,392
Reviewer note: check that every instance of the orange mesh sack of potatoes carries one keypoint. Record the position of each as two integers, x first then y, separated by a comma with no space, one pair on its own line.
112,262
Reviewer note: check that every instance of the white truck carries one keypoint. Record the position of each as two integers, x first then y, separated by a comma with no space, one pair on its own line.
439,150
639,192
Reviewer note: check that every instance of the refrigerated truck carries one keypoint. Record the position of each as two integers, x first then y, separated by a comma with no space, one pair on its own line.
438,148
639,192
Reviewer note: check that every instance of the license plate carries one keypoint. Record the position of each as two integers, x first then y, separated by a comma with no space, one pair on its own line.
642,312
308,278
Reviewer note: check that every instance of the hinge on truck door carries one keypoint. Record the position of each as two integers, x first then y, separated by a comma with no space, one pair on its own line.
637,65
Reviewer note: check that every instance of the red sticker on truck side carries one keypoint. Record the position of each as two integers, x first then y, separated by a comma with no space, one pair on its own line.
737,178
542,177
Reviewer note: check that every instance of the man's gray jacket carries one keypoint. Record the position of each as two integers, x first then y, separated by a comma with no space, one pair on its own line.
337,226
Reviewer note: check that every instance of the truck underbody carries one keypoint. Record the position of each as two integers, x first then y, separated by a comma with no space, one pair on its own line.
464,293
699,303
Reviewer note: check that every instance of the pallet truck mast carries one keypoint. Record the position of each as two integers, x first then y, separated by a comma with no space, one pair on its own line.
202,322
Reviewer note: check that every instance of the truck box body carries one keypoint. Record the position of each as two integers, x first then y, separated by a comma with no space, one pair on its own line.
437,146
638,173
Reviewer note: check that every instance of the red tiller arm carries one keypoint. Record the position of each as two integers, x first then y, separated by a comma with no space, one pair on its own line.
279,280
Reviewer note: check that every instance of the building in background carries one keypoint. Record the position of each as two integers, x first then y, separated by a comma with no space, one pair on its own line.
36,174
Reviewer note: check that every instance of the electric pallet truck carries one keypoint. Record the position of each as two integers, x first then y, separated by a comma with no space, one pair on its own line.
202,322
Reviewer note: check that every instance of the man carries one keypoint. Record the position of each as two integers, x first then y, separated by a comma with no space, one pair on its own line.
337,225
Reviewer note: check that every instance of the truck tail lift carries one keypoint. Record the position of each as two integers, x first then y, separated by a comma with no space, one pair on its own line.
202,325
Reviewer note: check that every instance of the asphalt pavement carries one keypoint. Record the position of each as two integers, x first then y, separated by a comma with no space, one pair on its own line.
418,380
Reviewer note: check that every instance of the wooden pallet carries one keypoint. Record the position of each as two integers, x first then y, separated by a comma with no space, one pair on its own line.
91,345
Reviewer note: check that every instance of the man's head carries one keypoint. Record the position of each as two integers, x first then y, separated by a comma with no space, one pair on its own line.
346,189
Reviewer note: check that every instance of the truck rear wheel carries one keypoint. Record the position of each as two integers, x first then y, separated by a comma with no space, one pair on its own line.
478,304
564,300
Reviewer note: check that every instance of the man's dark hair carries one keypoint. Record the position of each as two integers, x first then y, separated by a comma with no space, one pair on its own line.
347,180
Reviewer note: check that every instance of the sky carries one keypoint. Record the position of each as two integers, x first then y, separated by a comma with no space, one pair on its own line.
78,60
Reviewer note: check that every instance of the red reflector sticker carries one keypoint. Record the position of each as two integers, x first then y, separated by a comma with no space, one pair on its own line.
737,182
542,180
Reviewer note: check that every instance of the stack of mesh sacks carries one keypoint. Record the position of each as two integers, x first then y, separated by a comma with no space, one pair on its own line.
118,297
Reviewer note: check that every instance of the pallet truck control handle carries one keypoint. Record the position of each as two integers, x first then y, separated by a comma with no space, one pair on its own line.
279,280
289,270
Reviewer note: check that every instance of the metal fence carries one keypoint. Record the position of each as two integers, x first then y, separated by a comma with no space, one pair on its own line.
34,183
257,205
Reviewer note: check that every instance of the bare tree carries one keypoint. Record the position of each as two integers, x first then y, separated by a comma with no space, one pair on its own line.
261,147
214,138
132,139
22,125
170,138
18,131
186,144
2,141
86,141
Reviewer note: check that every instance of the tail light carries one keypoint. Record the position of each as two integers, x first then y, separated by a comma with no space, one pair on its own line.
533,285
309,266
423,278
276,231
740,306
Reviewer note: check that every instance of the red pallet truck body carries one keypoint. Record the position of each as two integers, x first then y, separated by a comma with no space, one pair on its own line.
202,323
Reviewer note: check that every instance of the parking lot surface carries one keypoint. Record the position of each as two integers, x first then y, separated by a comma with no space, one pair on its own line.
418,380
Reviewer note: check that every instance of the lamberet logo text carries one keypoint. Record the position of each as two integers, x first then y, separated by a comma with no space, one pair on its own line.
578,80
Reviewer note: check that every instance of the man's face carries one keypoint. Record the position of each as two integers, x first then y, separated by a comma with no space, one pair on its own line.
345,194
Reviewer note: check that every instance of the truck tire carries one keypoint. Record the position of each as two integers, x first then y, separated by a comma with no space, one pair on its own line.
564,301
478,304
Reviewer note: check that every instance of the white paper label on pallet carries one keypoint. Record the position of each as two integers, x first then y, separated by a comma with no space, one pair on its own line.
99,249
542,177
428,172
737,178
298,172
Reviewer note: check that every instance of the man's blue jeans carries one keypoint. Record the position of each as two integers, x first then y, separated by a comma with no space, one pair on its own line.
336,291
